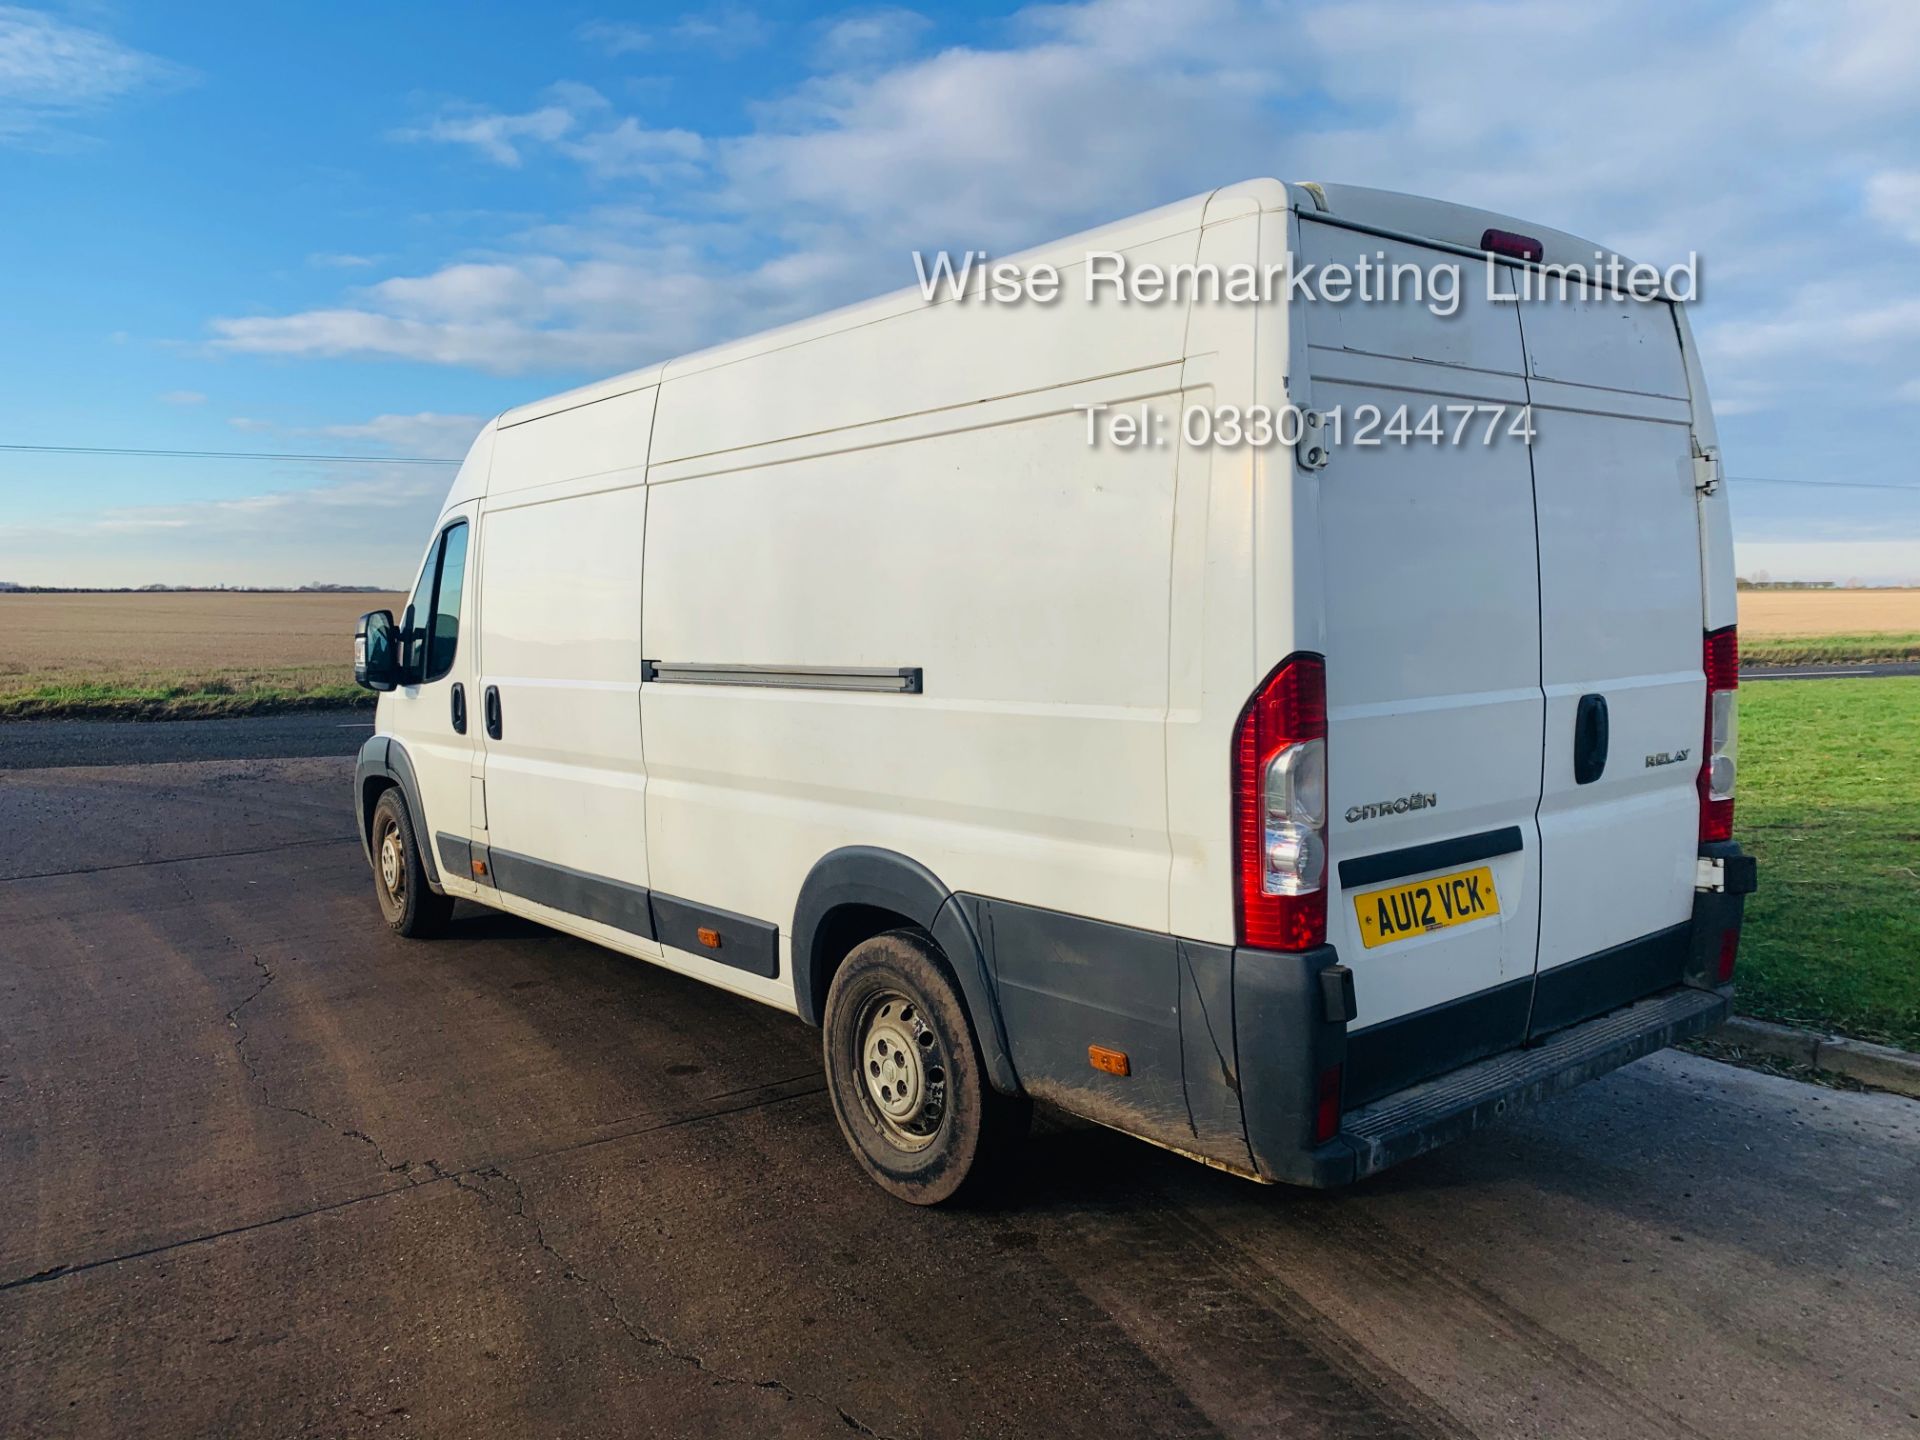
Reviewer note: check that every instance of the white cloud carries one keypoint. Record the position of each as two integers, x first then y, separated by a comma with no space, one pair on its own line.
869,37
326,261
1893,198
1827,318
587,313
630,149
617,37
53,71
427,433
1713,129
183,397
727,30
363,527
500,138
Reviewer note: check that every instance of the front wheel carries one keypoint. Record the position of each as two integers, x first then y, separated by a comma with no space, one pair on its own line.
905,1074
411,907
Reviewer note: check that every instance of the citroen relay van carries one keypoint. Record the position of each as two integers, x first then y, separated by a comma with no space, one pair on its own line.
1293,730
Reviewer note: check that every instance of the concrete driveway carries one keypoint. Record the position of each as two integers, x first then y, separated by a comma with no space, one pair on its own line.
265,1170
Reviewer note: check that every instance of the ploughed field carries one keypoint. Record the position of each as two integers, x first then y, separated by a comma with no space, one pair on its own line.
1832,627
178,655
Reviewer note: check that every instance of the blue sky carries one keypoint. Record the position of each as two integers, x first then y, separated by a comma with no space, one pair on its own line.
361,230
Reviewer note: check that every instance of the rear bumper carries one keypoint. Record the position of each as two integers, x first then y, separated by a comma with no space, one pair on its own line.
1431,1114
1624,1003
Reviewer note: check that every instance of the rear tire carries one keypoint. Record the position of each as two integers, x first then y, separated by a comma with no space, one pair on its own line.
906,1078
411,907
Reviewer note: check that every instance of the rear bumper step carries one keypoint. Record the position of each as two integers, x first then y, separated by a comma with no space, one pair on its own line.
1422,1117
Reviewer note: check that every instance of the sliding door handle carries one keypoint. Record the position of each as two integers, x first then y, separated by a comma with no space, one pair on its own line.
490,703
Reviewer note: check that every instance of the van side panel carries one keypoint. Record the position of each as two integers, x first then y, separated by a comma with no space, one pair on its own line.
1235,358
1021,572
900,356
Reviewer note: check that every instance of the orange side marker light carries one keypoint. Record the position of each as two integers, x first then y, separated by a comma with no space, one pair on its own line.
1113,1062
708,937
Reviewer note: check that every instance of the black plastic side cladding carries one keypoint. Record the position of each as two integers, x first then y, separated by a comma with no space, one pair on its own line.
1067,982
384,757
745,943
1285,1042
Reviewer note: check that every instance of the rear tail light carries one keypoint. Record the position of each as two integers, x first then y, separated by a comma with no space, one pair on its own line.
1280,809
1717,765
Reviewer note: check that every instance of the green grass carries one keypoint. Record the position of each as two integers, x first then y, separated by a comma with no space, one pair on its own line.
184,699
1829,800
1887,648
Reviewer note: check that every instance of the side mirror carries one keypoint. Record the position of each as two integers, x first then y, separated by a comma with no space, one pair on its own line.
376,651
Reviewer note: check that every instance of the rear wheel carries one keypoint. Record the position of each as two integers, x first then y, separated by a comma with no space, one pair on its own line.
411,907
904,1071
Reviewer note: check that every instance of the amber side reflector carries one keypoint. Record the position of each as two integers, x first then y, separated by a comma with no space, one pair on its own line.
1114,1062
479,868
708,937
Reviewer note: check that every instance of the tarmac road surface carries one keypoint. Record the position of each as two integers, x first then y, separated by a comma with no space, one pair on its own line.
269,1171
39,743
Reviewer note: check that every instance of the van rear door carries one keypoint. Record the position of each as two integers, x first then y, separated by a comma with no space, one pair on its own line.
1432,613
1620,646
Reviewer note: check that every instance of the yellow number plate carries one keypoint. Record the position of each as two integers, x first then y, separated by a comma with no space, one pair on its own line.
1404,911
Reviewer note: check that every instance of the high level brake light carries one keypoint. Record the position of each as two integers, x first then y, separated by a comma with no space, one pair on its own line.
1280,809
1506,242
1717,767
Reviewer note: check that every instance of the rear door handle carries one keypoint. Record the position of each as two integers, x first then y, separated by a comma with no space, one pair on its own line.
459,708
491,703
1590,739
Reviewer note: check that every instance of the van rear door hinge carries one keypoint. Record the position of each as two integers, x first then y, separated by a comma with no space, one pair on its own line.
1311,449
1707,478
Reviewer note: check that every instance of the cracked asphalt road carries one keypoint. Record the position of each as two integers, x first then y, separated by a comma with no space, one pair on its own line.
265,1170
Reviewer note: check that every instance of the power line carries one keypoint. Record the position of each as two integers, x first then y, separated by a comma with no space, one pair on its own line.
227,455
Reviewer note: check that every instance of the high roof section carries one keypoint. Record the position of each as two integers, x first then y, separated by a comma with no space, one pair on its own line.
1384,210
1442,220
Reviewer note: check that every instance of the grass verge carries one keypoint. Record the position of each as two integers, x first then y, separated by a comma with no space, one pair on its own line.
1892,648
1829,800
189,698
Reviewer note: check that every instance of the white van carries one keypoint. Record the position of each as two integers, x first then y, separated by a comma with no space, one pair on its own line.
1295,796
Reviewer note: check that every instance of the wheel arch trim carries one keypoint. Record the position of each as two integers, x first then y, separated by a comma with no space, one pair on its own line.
384,758
873,878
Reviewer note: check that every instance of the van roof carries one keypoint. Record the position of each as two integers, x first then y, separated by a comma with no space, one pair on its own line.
1386,211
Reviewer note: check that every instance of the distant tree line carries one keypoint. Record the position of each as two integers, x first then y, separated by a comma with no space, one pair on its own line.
11,588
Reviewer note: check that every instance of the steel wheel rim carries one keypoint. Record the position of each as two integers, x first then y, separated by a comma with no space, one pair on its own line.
393,862
903,1072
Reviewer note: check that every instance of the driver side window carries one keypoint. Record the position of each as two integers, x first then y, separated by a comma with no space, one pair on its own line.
433,636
